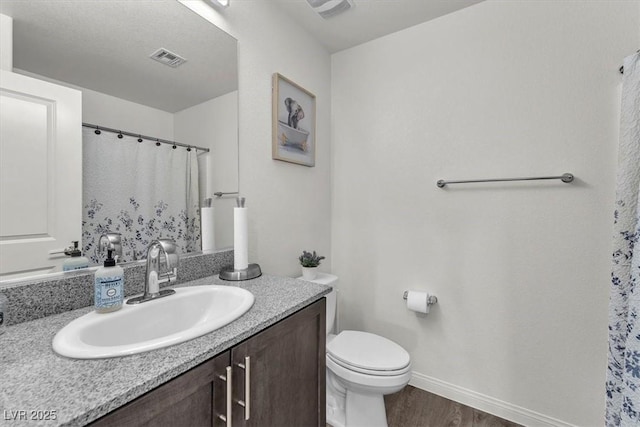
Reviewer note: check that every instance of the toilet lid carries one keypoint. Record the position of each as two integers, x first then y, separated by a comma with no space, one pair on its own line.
368,351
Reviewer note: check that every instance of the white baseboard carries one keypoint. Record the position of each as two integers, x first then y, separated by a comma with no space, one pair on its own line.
490,405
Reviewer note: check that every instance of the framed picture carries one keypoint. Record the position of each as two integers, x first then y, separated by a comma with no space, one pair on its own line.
294,122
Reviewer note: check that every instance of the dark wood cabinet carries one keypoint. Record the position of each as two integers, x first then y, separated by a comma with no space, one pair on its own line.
287,372
278,380
183,401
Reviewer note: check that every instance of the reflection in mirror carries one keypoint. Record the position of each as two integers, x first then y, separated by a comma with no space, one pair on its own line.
90,62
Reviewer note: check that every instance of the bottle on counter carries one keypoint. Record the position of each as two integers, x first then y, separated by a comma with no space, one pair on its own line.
75,261
109,286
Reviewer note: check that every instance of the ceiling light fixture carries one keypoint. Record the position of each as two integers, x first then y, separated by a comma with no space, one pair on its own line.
330,8
219,3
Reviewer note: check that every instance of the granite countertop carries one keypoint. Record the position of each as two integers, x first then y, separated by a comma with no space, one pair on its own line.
34,379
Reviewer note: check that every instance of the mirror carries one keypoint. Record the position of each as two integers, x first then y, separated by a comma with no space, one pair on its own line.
103,49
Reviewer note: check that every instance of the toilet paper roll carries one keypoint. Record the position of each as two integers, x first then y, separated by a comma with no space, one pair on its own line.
417,301
240,239
207,217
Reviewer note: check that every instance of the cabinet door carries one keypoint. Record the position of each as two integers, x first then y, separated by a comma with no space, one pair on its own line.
188,400
287,373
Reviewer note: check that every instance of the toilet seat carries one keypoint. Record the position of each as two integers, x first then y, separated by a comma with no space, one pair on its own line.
368,354
372,372
383,384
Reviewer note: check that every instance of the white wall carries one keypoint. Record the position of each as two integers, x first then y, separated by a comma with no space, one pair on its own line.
214,125
117,113
289,205
521,270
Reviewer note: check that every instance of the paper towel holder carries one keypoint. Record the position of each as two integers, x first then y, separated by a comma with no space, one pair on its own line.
231,273
251,272
431,299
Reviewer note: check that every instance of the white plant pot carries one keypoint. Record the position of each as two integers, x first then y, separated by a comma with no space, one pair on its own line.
309,273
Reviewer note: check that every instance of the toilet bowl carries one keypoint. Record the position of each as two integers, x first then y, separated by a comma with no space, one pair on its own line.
361,368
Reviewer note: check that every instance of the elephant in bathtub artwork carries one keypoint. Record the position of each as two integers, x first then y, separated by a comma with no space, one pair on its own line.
294,123
290,134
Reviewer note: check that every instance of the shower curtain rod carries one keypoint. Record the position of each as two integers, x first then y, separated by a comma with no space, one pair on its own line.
139,136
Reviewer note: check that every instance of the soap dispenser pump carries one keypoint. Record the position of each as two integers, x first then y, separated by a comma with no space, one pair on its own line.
109,286
76,260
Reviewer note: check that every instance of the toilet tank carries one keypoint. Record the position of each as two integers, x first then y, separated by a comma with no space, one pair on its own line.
332,303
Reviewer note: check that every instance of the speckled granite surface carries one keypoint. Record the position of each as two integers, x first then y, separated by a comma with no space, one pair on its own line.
37,298
33,377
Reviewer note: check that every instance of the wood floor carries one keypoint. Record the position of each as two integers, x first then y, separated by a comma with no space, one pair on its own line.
413,407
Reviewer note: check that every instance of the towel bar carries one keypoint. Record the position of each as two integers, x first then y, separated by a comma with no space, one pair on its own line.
220,193
567,177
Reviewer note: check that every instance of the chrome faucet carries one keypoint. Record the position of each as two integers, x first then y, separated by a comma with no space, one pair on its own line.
162,267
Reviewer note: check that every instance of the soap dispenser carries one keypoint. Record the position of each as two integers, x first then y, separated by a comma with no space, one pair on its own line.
109,285
76,260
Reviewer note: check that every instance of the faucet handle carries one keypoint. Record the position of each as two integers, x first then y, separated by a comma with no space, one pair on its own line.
171,250
171,261
111,241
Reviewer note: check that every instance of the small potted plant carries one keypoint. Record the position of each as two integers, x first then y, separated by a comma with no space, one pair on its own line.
310,262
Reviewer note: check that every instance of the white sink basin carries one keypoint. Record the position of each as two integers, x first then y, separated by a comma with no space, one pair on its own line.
189,313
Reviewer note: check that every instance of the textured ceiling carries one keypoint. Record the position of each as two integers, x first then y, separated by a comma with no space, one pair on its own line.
105,46
368,20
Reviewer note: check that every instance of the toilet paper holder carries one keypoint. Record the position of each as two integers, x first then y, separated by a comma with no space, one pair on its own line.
431,299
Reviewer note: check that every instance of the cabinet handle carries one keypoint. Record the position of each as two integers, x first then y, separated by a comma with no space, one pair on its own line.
246,403
227,418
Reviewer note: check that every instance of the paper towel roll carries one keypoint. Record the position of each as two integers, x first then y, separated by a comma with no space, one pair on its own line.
240,239
418,301
207,216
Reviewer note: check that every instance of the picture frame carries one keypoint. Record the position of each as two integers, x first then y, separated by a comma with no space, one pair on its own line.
294,122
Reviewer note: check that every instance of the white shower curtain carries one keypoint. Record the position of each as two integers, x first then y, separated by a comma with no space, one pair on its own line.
140,190
623,372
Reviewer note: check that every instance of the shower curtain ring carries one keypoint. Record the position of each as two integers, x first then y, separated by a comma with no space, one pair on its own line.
157,143
97,131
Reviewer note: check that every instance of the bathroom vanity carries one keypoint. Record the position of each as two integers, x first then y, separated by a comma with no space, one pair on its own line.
277,378
282,335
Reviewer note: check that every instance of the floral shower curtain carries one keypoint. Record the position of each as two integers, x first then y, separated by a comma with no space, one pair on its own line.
623,372
140,190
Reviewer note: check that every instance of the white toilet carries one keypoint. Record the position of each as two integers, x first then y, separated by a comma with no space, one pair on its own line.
361,369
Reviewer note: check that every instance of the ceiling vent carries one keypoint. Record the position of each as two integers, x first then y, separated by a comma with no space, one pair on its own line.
330,8
167,58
